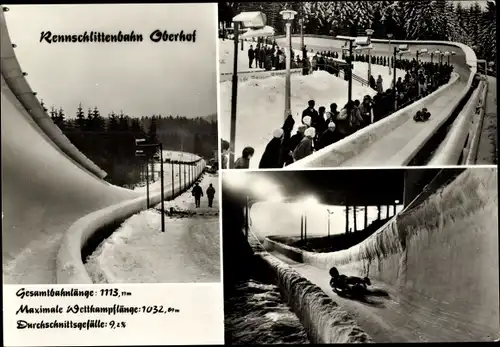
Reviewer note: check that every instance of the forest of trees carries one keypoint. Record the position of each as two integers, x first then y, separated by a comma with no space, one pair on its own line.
109,141
443,20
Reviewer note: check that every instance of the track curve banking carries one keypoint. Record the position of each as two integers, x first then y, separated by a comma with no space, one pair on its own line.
434,267
45,187
388,150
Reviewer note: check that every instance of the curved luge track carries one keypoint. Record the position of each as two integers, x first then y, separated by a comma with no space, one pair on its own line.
386,151
434,268
44,191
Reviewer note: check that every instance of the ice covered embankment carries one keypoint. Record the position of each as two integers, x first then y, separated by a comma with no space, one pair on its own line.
320,315
256,314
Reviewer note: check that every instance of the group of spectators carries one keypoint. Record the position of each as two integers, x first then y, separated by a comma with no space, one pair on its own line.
321,128
268,57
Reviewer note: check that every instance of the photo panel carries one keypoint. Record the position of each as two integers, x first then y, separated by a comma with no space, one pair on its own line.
359,256
357,84
110,186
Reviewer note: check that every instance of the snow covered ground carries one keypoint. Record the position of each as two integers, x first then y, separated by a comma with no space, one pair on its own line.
261,102
188,251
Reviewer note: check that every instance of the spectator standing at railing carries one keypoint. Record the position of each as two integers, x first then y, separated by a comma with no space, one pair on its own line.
305,146
366,110
225,149
380,84
251,56
328,137
286,147
271,159
356,120
289,146
331,116
256,54
319,123
262,56
373,84
310,111
243,162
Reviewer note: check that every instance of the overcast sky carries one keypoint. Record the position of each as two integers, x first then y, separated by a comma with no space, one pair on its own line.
138,78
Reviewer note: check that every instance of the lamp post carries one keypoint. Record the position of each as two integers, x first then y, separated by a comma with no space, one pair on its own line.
288,16
390,52
369,32
329,213
302,46
394,80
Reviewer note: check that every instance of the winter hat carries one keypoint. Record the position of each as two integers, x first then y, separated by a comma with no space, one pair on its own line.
331,125
307,120
310,132
278,133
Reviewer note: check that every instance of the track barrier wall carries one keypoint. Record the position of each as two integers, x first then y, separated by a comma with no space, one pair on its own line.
14,78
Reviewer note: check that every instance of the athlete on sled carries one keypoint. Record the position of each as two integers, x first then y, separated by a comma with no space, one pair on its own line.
348,285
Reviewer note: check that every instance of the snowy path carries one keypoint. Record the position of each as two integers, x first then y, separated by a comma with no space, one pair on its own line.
388,315
488,143
188,251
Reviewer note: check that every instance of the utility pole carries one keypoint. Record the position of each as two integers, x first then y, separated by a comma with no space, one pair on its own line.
234,96
349,97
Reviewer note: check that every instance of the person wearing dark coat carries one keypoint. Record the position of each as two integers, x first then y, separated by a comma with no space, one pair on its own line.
373,84
210,195
293,143
251,56
305,146
329,136
271,159
286,155
310,111
197,192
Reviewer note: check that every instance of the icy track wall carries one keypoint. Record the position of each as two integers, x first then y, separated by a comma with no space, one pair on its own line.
69,264
13,75
346,149
322,318
446,248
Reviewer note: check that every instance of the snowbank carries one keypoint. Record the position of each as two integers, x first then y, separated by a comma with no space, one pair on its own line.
446,248
322,318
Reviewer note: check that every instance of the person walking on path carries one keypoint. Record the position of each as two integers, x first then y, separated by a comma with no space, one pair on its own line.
197,193
210,195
